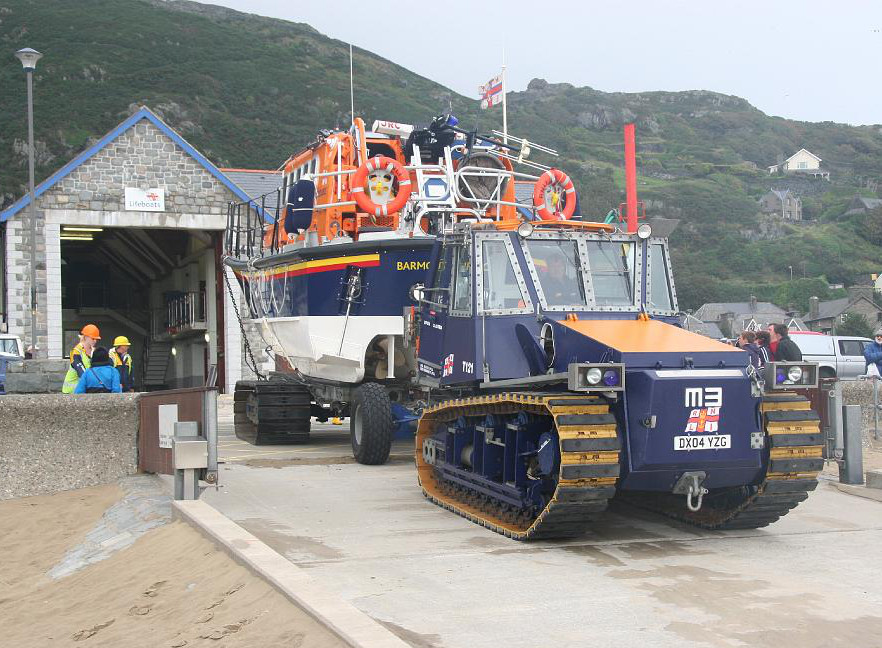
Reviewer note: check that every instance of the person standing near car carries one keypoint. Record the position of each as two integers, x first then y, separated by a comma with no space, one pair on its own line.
80,357
747,342
785,348
762,342
873,351
119,354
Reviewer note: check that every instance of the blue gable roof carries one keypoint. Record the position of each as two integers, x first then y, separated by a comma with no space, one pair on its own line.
142,113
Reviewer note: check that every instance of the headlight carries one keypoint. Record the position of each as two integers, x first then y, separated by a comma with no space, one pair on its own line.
790,375
644,231
525,229
596,377
794,374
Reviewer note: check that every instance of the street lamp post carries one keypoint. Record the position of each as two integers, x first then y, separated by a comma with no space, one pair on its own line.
29,58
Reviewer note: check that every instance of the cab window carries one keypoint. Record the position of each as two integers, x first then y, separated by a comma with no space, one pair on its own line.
500,289
659,285
462,280
611,266
559,270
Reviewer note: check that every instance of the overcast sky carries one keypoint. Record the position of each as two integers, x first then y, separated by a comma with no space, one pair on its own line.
812,60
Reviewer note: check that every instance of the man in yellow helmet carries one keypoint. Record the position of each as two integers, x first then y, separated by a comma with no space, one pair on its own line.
80,357
119,354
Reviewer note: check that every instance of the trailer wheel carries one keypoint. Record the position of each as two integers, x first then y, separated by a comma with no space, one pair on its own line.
370,424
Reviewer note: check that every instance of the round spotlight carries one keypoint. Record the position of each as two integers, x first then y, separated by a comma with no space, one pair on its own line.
794,374
610,378
174,351
644,231
207,338
593,375
525,229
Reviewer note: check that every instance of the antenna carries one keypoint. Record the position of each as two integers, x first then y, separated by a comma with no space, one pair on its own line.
351,87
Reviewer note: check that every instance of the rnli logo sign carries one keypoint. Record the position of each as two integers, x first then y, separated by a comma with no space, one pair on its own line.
705,419
447,369
152,200
704,405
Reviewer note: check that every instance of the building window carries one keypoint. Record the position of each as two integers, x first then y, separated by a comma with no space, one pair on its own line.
843,318
802,165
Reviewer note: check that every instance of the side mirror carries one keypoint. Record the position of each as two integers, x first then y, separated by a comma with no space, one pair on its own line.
299,206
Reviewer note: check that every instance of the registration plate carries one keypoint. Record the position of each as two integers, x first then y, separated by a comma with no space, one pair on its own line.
703,442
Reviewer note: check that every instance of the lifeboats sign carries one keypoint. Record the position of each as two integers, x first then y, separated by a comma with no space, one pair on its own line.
145,199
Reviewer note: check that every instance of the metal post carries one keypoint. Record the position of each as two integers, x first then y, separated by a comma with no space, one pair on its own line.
209,428
851,469
834,408
33,211
631,178
876,408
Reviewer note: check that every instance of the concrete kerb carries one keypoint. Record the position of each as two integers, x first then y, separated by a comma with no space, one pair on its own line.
350,624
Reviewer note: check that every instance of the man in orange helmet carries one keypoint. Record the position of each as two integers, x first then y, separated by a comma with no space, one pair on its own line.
81,357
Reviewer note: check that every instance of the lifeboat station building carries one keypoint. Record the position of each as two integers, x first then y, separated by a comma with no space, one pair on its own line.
130,237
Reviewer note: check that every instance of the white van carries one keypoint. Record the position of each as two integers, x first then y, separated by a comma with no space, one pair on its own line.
11,350
839,356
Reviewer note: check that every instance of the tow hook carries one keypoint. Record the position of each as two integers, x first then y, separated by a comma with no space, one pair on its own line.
690,485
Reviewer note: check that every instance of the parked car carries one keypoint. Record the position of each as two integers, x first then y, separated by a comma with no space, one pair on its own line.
11,350
839,356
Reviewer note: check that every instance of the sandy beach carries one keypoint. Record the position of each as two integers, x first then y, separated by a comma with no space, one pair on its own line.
171,588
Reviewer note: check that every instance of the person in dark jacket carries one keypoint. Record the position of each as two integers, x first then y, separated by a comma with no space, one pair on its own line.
786,349
747,342
762,342
873,351
101,377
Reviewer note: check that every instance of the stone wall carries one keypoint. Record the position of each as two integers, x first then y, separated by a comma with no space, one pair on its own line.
36,376
143,157
860,392
55,442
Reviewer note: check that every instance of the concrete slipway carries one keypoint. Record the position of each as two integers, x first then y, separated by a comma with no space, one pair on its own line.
437,580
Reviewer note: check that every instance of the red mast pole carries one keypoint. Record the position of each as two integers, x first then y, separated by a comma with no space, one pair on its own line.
630,178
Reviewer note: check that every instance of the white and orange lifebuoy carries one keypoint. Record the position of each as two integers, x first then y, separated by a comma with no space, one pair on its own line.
380,163
562,187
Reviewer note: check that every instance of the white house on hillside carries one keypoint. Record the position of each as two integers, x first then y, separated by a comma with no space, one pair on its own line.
802,161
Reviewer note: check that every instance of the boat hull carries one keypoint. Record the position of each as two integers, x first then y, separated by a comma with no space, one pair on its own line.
308,311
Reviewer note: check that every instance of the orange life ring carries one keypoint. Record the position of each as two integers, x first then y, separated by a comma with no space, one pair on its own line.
554,176
375,164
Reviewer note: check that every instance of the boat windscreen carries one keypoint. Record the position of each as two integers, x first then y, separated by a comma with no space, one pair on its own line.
611,265
559,270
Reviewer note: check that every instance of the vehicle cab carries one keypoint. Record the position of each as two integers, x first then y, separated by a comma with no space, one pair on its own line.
494,299
11,350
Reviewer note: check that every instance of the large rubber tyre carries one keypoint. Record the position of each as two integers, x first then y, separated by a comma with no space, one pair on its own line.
371,427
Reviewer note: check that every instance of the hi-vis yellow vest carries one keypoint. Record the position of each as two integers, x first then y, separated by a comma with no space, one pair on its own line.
71,378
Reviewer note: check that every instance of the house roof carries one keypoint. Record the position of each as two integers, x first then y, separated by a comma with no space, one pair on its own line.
866,203
255,182
141,113
695,325
835,307
712,311
802,150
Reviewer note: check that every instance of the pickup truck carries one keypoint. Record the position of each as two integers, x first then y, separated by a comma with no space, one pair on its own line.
839,356
10,351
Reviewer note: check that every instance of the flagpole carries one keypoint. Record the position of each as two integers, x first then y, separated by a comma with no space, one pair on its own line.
351,86
504,110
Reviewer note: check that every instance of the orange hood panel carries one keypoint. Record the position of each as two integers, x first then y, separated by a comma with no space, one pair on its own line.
646,336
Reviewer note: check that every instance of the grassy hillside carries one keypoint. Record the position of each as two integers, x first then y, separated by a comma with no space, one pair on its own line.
248,90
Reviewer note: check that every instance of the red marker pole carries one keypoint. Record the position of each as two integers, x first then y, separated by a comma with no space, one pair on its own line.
630,178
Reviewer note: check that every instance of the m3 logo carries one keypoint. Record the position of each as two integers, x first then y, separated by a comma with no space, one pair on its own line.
704,397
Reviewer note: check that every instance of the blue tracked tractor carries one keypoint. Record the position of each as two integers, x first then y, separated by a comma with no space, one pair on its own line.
560,378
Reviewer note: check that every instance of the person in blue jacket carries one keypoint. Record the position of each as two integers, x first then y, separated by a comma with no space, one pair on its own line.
101,377
873,351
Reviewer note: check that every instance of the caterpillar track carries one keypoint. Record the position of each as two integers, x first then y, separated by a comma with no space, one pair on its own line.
589,450
794,443
271,412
